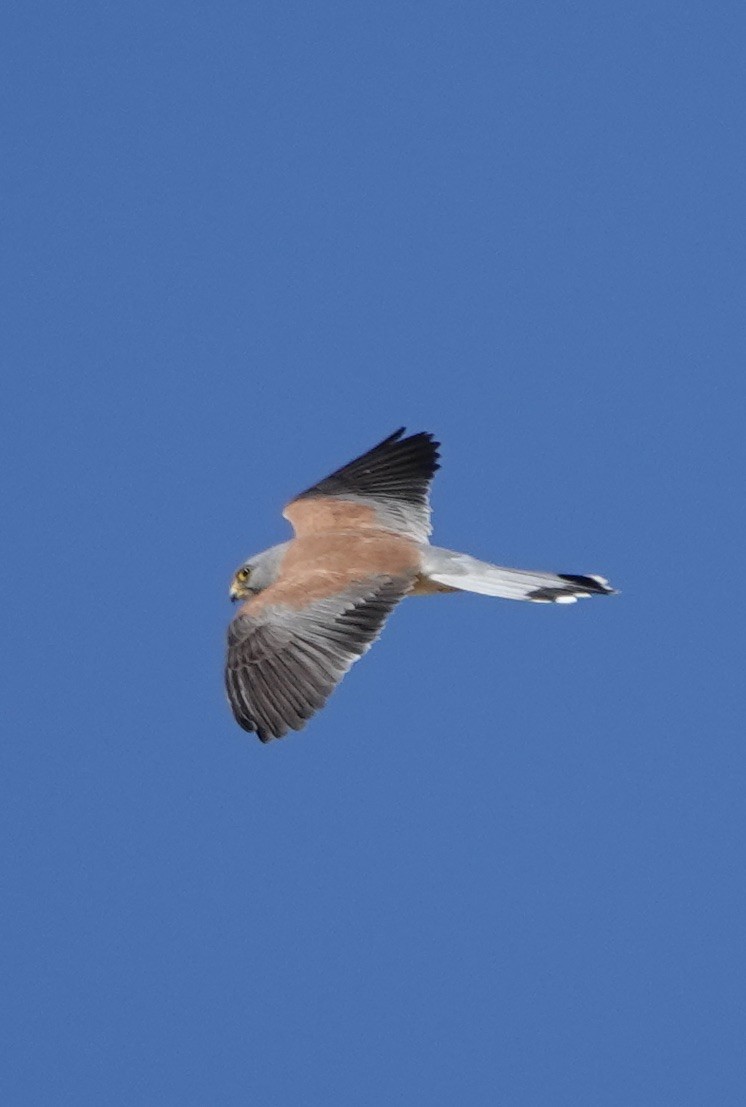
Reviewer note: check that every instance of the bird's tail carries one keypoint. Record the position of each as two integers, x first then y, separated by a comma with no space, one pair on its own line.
467,574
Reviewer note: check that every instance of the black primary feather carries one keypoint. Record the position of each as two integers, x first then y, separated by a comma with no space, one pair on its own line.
396,469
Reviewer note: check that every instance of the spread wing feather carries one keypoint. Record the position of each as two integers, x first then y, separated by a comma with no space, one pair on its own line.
394,478
283,663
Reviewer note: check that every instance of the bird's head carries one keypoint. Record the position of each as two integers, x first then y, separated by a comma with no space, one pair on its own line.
257,573
241,588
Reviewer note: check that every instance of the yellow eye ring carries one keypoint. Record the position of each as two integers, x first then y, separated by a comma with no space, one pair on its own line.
243,574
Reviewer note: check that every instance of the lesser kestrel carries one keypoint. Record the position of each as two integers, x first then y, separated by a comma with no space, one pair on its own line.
313,605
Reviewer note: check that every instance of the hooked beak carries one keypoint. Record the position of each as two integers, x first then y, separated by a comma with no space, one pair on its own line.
235,592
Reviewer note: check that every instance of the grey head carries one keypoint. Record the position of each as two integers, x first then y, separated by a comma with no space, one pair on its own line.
257,572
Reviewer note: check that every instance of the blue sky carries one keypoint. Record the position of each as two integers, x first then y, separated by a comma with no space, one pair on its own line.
243,242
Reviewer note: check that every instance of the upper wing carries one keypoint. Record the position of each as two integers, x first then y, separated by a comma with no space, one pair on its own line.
284,662
386,487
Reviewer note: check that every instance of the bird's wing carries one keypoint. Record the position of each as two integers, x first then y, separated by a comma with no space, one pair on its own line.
386,487
285,660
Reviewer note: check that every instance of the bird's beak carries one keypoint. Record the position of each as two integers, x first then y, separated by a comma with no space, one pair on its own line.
234,591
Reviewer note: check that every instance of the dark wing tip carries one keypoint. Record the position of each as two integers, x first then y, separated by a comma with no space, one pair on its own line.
397,468
246,721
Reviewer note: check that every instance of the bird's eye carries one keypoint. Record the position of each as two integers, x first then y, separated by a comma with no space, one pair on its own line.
243,574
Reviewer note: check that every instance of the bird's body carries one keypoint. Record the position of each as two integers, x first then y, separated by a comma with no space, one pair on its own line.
313,605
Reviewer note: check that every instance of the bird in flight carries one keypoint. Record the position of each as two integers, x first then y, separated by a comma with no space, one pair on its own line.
312,606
